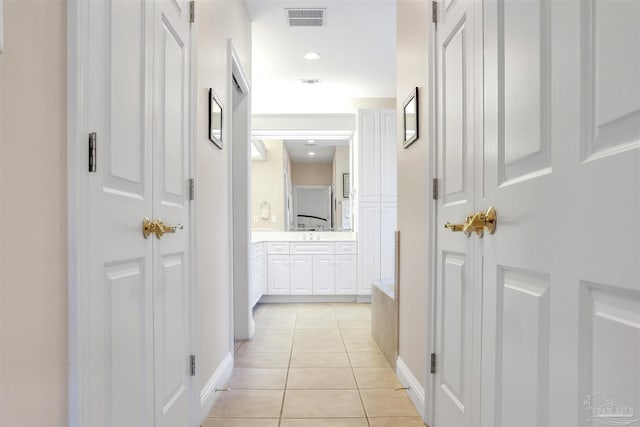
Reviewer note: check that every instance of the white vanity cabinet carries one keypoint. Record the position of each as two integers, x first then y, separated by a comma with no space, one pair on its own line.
312,268
258,272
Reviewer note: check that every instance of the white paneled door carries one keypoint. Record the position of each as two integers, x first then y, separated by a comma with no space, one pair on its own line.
137,100
458,295
559,158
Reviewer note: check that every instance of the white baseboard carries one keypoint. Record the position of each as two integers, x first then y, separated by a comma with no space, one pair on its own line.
217,381
415,391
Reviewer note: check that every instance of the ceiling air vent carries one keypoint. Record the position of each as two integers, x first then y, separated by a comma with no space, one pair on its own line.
305,17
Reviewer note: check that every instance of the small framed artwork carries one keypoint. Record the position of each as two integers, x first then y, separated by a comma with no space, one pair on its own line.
410,118
215,119
346,185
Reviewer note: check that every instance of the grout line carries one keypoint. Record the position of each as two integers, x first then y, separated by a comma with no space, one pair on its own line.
286,380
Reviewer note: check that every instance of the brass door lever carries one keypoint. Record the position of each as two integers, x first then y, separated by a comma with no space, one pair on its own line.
158,227
477,223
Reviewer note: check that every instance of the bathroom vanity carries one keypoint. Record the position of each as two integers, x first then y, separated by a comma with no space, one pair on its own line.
306,265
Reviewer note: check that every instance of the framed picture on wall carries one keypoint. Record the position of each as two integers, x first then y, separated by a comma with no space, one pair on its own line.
410,118
346,185
215,119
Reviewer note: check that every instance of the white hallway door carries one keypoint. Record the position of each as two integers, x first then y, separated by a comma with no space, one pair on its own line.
139,298
558,156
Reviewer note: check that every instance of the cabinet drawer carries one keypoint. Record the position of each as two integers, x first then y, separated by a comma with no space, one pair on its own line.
278,248
347,248
312,248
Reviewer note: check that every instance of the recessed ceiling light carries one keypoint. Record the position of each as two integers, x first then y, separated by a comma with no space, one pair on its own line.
310,142
311,55
310,81
312,153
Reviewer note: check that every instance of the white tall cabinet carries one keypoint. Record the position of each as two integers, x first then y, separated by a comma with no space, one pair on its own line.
376,196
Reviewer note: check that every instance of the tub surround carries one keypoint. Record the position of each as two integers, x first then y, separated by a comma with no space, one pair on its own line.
384,318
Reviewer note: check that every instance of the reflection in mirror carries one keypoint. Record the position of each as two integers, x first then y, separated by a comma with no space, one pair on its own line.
303,181
411,118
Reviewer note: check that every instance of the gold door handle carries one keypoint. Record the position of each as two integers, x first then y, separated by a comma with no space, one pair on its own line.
148,227
160,228
477,223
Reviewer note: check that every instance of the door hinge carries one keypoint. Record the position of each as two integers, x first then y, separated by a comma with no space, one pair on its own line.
434,12
433,363
434,188
192,11
93,152
192,189
192,360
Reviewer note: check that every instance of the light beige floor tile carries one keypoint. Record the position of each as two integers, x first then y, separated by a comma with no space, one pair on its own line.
319,360
275,315
325,422
316,315
240,422
247,404
387,403
317,334
258,379
355,324
396,422
376,378
267,345
368,359
356,334
317,324
353,314
306,345
320,378
273,334
361,345
317,403
275,324
262,360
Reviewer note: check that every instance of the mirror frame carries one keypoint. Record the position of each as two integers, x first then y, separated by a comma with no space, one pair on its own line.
413,96
215,106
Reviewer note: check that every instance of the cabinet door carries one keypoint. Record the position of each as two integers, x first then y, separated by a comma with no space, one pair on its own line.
301,274
388,137
388,240
368,246
278,269
346,276
369,155
323,275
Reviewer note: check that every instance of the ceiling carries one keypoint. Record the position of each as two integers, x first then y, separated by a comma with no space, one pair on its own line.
324,150
357,47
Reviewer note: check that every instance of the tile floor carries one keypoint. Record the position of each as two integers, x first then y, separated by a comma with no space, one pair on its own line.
312,365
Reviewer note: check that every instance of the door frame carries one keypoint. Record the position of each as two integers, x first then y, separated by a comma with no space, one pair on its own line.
78,223
431,218
235,68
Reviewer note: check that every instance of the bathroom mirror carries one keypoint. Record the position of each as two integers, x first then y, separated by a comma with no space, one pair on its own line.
303,180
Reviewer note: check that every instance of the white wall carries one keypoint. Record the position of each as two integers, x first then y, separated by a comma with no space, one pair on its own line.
267,184
33,210
414,177
217,21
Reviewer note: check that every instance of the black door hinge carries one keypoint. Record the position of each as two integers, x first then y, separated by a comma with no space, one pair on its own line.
192,11
434,12
192,189
93,152
433,363
192,360
434,188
